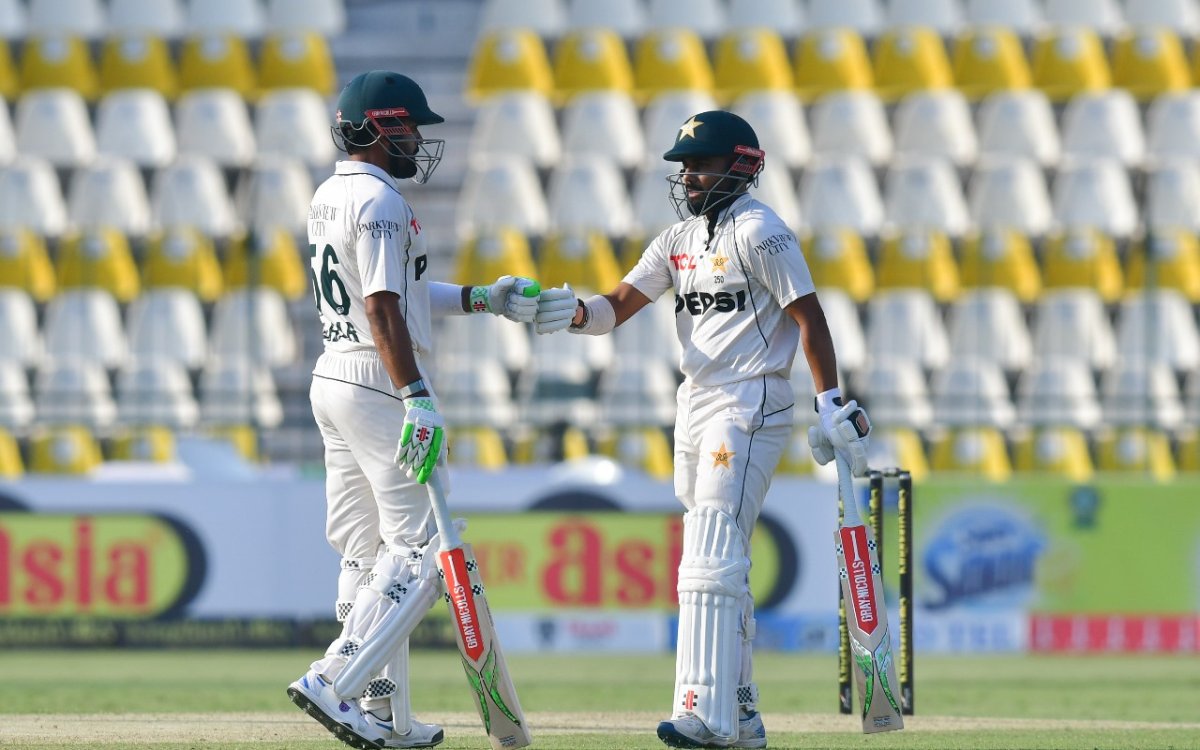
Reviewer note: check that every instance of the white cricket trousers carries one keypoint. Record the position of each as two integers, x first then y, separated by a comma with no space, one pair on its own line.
369,499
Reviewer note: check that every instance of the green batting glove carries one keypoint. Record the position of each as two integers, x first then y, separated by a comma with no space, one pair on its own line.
422,440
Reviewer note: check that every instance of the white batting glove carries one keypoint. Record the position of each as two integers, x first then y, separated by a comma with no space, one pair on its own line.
514,297
822,449
847,430
555,309
423,440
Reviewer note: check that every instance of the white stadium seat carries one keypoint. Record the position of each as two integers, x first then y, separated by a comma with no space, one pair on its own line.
13,19
110,193
155,391
936,123
1104,16
74,391
501,191
1182,16
85,323
665,113
241,17
863,16
851,123
162,18
136,124
778,121
786,17
83,18
1095,194
20,340
1138,394
275,192
252,324
943,16
604,122
895,393
1058,392
840,192
705,17
1173,196
1071,323
905,324
1104,124
626,17
214,123
8,139
1019,123
517,123
1009,193
16,405
637,392
775,188
168,323
972,392
652,209
923,192
484,337
53,124
475,391
1158,326
562,394
236,391
987,323
547,18
650,334
1173,125
294,122
326,17
842,317
1022,16
30,196
191,193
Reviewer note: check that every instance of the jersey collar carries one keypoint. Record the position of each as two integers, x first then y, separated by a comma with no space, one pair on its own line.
348,166
738,202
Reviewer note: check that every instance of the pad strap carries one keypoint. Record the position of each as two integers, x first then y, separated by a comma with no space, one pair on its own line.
747,695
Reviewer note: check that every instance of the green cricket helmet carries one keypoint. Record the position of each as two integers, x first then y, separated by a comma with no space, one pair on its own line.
714,133
382,106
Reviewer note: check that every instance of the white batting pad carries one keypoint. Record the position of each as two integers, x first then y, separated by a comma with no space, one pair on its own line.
389,693
712,586
353,575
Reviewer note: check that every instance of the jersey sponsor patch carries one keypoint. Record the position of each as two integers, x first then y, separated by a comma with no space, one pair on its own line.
698,303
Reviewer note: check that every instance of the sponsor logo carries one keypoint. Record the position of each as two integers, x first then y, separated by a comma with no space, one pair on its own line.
862,588
689,700
698,303
462,601
683,262
984,555
774,244
381,229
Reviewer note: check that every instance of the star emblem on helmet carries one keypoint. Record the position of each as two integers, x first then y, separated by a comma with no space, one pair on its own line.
689,128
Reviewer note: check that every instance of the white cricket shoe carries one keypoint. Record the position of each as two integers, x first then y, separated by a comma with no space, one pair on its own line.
345,719
689,732
419,734
751,732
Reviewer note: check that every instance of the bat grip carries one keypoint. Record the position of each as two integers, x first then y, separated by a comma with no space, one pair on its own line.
846,490
447,531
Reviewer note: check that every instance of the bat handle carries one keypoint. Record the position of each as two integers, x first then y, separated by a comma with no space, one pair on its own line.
846,489
447,531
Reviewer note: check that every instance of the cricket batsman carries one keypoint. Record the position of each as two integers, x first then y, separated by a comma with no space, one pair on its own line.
375,406
744,301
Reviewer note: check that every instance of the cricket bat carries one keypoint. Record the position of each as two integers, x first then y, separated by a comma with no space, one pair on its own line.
487,671
866,614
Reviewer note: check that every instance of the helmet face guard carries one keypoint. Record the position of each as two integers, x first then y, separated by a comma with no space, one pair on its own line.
741,175
388,127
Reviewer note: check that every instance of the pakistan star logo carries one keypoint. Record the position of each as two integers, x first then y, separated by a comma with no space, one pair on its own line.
721,456
719,264
689,128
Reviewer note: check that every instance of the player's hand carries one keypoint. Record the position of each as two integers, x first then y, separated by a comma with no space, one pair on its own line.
555,309
514,297
847,430
423,441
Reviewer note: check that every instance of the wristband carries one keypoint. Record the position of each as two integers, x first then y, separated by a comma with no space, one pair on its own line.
827,400
416,386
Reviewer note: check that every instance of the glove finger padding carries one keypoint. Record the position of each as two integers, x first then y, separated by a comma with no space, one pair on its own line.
422,440
822,449
521,303
849,435
556,309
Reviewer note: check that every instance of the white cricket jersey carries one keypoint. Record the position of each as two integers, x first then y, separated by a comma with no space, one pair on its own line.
363,238
730,291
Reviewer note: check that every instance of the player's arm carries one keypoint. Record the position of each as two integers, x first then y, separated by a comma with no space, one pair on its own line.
597,315
816,340
514,297
389,330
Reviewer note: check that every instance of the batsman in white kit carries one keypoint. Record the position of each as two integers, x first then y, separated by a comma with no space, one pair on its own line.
375,408
744,301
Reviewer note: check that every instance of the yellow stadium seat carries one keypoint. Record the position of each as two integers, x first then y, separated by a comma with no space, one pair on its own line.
1082,258
299,59
153,444
481,447
269,258
507,60
24,263
216,60
183,258
903,447
98,258
590,59
48,62
491,254
910,59
63,450
10,82
1149,62
631,251
1000,257
1136,450
1069,61
585,260
924,260
11,466
1055,450
988,59
1166,260
543,445
142,62
829,60
644,448
838,258
749,60
797,458
670,60
973,450
1188,451
243,438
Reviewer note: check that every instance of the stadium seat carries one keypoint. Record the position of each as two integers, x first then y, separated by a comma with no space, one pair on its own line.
16,406
1136,450
1148,62
25,263
1068,62
637,393
191,193
1104,16
216,60
478,446
243,438
663,116
20,340
1166,258
895,394
1192,412
978,450
1000,258
840,193
110,193
239,392
988,60
85,323
1058,392
862,16
74,391
149,444
1009,193
988,323
274,194
786,17
1173,126
837,259
670,59
98,259
475,392
603,123
842,316
909,59
241,17
748,60
507,60
501,191
591,59
159,18
852,123
899,446
942,16
1095,194
155,391
493,253
1181,16
1158,325
652,209
545,17
136,124
63,450
1141,394
936,123
252,325
1106,125
53,124
517,123
296,59
185,258
58,62
644,448
923,193
826,61
558,394
483,337
625,17
918,258
775,188
704,17
215,124
13,21
267,259
1172,196
1071,323
1082,258
294,122
1022,16
778,121
549,444
137,61
650,335
1021,124
905,324
8,139
30,197
971,392
1058,450
797,459
584,259
168,323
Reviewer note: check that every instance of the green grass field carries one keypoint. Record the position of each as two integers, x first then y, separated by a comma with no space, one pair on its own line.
140,700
